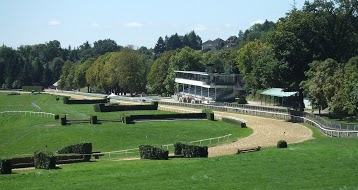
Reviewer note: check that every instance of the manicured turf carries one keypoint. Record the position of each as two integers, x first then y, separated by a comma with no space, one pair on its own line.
323,163
22,135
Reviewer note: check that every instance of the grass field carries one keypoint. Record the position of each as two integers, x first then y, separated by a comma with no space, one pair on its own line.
22,135
321,163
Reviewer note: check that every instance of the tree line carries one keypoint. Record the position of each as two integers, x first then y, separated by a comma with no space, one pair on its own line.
311,50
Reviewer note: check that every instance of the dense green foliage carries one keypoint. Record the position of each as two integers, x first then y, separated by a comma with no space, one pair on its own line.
193,151
81,148
44,160
5,166
281,144
153,152
234,121
30,88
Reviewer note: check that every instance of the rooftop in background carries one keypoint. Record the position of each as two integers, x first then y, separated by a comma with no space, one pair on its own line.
278,92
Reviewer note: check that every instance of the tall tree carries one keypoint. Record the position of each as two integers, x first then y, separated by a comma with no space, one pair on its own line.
159,72
101,47
159,46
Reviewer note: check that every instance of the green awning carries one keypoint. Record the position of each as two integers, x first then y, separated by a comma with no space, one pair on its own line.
278,92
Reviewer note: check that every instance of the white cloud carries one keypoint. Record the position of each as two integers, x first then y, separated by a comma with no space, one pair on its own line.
228,25
94,25
133,25
257,22
200,27
54,23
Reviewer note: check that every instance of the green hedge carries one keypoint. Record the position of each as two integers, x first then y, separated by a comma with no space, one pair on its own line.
242,100
81,148
112,108
93,119
131,118
209,114
63,120
5,166
178,148
192,151
281,144
100,101
234,121
153,152
30,88
44,160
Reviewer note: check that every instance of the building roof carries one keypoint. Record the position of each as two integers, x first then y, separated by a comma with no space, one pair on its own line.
278,92
193,72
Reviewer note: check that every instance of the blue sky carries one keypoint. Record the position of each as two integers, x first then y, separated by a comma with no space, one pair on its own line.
131,22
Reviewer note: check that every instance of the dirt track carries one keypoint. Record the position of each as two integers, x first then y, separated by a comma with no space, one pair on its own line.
266,132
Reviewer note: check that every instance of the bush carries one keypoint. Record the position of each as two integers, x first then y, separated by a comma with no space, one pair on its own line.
209,114
44,160
65,99
153,152
234,121
5,166
242,100
131,118
31,88
57,117
281,144
57,98
63,120
112,108
93,119
81,148
178,148
192,151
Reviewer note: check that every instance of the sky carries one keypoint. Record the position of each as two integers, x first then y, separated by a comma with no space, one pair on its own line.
130,22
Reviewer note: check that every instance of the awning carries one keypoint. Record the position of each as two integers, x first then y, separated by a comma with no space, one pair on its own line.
278,92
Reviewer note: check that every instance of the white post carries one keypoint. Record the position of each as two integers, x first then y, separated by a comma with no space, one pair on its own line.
215,94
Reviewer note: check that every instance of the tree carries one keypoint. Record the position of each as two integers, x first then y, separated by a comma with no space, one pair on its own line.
66,70
321,30
101,47
37,72
173,43
126,70
194,40
56,67
351,86
158,73
159,46
246,59
186,59
93,73
80,73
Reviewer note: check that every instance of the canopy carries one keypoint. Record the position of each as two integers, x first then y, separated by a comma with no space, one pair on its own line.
278,92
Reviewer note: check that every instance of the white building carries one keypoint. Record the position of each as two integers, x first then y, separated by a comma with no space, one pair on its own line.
202,87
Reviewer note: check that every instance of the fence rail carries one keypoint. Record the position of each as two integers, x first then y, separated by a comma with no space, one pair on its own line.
329,128
28,113
132,151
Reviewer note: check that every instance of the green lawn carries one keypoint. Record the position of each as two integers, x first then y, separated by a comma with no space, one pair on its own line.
22,135
323,163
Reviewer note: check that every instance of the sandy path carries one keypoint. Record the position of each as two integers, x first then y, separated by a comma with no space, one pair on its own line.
266,131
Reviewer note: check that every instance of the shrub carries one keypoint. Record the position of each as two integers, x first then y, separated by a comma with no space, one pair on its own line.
192,151
5,166
281,144
153,152
234,121
113,107
57,98
81,148
63,120
131,118
178,148
93,119
209,114
65,99
242,100
44,160
57,117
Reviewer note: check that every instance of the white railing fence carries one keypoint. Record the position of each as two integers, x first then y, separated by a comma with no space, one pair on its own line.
134,152
27,113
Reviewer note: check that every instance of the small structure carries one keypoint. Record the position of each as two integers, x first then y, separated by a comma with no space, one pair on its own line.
206,87
280,95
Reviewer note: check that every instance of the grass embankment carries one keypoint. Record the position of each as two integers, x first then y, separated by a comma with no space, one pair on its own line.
322,163
22,135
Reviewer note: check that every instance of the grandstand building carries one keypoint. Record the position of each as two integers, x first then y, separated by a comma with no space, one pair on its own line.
206,87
